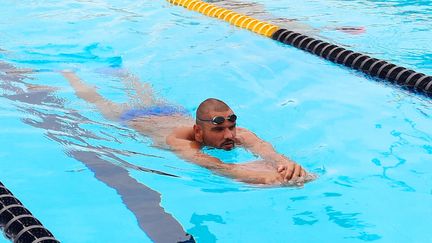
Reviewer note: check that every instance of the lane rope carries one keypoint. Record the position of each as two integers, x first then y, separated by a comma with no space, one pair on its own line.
18,224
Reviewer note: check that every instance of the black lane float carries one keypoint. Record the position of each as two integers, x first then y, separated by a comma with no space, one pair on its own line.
18,224
404,77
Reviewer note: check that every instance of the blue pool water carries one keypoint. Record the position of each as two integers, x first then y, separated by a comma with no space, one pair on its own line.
87,179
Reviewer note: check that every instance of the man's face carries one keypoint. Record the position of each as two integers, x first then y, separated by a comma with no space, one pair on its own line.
221,136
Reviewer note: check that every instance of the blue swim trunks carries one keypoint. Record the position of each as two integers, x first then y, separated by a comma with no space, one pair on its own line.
156,110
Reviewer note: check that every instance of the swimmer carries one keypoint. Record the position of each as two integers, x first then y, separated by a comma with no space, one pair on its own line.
215,125
258,11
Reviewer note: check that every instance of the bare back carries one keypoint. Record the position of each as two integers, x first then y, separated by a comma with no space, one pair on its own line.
158,128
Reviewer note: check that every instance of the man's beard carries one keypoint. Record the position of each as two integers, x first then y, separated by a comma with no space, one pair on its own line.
228,144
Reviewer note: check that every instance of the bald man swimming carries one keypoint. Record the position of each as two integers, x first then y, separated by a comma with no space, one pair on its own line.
170,127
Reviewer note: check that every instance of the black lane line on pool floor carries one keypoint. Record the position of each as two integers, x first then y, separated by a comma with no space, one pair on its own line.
405,78
159,225
18,223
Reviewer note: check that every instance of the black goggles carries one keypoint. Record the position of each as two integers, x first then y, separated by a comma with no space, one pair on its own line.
217,120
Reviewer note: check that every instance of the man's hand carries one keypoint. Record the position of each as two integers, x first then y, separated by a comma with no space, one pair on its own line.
281,172
290,171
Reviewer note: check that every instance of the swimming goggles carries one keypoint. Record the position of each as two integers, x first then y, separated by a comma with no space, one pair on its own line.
217,120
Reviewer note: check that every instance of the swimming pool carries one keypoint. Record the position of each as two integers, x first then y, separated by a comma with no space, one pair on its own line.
87,178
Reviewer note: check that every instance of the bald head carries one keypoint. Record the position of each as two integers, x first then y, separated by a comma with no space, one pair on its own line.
210,105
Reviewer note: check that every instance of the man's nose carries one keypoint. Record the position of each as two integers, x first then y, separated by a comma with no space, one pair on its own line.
228,133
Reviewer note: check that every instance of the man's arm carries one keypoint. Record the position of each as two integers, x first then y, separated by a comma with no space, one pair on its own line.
286,167
190,151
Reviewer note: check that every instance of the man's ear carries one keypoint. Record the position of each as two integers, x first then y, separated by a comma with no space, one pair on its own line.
198,133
